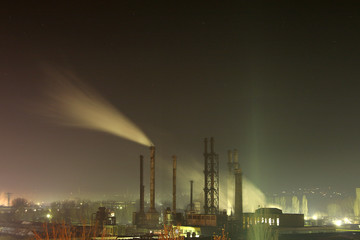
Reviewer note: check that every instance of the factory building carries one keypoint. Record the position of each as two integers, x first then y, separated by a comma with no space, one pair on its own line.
273,217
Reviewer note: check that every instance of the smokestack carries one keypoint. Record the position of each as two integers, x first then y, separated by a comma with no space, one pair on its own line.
230,183
205,143
236,159
152,179
230,161
238,195
206,176
174,184
212,176
142,189
212,145
191,196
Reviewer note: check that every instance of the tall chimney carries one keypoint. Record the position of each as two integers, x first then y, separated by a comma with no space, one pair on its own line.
191,196
142,184
230,161
230,183
212,175
152,179
205,144
212,145
206,176
238,195
174,184
236,159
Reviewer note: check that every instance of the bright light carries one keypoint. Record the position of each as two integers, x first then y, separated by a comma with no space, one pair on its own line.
337,222
315,217
347,221
48,215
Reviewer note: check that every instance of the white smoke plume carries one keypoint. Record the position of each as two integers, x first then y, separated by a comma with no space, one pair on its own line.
253,197
70,102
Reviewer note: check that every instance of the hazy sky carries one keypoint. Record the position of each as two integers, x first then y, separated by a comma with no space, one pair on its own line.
279,83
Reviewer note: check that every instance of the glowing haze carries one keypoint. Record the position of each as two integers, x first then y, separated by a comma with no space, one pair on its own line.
253,197
3,199
72,103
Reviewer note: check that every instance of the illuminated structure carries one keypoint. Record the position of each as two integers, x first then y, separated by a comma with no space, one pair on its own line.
235,176
152,216
174,185
233,171
357,203
211,173
105,222
238,194
229,184
273,217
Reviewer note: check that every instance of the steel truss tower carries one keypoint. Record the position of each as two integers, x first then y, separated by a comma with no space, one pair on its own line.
211,173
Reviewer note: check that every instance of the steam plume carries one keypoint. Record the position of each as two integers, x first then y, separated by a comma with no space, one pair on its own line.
72,103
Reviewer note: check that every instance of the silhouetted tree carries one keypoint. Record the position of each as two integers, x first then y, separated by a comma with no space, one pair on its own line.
18,207
55,211
68,211
19,203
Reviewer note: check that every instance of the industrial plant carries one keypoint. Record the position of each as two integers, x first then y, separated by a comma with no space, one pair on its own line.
211,220
142,219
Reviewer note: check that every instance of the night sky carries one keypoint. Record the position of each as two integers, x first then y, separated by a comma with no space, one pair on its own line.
277,82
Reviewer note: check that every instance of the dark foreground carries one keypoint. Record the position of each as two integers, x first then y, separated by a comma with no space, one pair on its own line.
322,236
